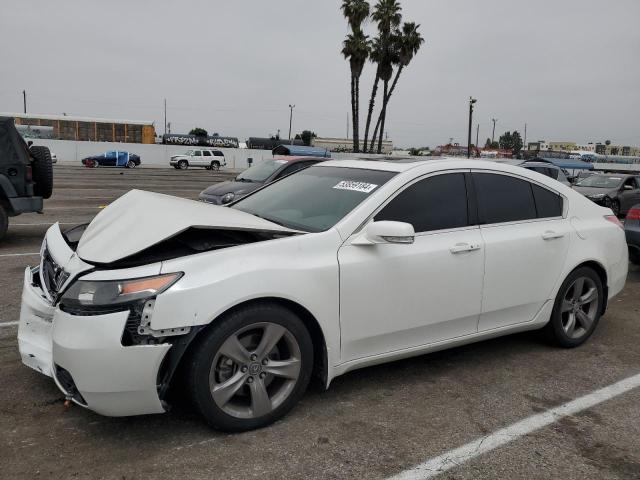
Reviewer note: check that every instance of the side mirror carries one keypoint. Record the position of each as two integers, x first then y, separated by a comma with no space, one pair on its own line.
386,232
628,187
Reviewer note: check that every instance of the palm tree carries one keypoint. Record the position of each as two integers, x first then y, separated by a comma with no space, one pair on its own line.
409,42
356,12
387,14
356,49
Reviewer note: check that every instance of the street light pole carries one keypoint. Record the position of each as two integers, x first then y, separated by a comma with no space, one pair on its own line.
24,100
291,107
471,102
493,132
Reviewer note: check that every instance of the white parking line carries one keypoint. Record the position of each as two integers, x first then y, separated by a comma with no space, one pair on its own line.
460,455
8,324
18,254
40,224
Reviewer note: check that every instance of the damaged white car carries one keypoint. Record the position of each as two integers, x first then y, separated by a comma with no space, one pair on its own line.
342,265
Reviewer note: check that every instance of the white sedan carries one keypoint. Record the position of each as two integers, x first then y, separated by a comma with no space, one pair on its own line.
340,266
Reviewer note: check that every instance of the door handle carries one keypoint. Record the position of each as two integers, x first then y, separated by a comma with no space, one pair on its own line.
551,235
464,247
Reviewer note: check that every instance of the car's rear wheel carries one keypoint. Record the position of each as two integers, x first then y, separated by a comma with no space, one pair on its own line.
215,165
4,222
183,164
577,308
251,368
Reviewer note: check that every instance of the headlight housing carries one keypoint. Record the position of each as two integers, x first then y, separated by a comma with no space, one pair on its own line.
597,196
102,296
228,197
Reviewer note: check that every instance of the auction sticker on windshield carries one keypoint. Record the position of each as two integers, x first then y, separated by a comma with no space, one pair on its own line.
356,186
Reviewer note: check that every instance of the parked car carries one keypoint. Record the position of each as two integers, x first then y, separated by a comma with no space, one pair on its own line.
619,192
342,265
54,158
255,177
112,158
540,166
26,174
632,232
209,159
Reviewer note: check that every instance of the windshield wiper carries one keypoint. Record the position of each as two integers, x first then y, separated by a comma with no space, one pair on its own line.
244,180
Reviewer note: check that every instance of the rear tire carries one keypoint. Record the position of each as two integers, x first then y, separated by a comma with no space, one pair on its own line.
42,171
577,308
215,165
4,222
258,361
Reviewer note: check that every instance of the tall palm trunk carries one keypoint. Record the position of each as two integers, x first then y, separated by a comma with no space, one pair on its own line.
354,108
385,102
355,119
383,114
374,91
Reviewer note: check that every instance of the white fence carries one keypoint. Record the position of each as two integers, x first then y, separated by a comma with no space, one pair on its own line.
72,152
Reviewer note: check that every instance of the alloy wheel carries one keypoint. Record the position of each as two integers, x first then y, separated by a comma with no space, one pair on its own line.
255,370
579,307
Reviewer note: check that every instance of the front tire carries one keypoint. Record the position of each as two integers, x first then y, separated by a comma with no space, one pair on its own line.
251,367
183,164
577,308
4,222
131,164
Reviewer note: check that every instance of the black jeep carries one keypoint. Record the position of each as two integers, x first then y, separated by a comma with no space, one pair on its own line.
26,174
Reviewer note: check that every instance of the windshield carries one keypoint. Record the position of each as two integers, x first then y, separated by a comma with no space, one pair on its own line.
314,199
189,152
260,171
600,181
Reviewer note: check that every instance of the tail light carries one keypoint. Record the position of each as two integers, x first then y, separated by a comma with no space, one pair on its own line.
615,220
29,173
633,214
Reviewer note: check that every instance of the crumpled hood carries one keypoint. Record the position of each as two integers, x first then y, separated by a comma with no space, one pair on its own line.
139,219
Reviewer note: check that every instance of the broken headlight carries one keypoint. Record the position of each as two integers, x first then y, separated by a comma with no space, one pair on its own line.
101,296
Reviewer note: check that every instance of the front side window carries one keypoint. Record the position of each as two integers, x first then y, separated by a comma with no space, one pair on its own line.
435,203
197,153
503,199
314,199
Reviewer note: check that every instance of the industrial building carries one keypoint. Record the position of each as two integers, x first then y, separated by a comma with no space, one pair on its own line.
67,127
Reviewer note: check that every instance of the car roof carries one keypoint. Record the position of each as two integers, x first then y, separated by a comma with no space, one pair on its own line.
405,164
299,158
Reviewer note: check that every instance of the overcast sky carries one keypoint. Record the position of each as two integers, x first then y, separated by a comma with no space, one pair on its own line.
570,69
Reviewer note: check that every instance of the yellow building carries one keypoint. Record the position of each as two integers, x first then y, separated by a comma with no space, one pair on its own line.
562,146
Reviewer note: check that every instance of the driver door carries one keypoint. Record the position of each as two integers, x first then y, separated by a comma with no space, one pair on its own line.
629,194
398,296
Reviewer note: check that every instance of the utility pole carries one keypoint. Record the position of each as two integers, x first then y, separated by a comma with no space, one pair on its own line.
493,133
477,132
165,116
524,146
471,102
291,107
347,126
24,100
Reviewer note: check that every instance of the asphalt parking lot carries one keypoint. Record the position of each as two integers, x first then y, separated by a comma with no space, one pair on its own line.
372,423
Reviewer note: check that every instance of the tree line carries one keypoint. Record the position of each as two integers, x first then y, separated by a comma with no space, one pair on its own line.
390,51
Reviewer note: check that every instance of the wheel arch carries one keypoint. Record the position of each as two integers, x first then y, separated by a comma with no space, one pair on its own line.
320,355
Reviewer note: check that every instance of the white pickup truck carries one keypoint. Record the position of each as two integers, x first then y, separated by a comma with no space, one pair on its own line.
209,159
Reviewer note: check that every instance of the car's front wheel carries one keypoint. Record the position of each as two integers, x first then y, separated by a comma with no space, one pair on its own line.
577,308
131,164
4,222
183,164
613,204
251,368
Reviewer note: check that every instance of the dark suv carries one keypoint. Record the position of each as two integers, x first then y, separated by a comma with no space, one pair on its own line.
26,174
541,166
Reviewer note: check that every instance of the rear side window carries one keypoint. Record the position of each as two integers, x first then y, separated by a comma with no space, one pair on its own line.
217,153
435,203
503,199
548,204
